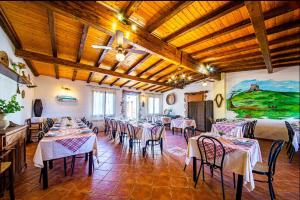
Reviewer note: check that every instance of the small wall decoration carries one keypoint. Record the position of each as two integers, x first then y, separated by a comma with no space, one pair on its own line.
219,99
4,58
65,98
171,98
265,99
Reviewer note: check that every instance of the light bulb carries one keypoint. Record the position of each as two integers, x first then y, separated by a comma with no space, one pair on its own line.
133,27
173,77
120,56
120,16
183,76
204,84
189,78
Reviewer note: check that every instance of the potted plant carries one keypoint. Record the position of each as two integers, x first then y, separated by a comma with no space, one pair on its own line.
6,107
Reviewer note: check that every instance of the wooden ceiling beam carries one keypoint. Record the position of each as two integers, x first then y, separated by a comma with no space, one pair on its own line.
125,83
51,25
159,71
240,25
223,54
161,89
167,15
143,85
270,31
131,8
81,48
254,54
115,81
257,19
157,88
134,84
223,10
149,87
248,68
14,38
101,18
71,64
150,67
102,55
103,79
166,90
138,63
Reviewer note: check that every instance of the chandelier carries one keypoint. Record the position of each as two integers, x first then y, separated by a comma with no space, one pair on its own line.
179,80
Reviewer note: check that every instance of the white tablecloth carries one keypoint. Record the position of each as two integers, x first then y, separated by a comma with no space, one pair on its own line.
229,128
296,138
240,161
166,120
182,123
49,149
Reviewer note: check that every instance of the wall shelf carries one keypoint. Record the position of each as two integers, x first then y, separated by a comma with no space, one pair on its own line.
13,75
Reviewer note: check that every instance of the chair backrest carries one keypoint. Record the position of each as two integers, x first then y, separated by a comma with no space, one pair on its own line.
251,130
45,127
211,120
113,124
50,122
188,132
290,131
96,130
274,152
83,119
211,150
131,131
122,126
246,128
28,122
156,132
90,125
41,135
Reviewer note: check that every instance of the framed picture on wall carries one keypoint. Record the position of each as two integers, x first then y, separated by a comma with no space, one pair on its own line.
171,98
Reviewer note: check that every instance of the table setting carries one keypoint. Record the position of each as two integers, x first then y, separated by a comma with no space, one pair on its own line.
230,127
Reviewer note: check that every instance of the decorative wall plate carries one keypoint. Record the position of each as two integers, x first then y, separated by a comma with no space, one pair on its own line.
171,98
219,99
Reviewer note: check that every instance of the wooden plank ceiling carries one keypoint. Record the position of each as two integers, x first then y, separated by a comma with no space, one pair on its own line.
55,38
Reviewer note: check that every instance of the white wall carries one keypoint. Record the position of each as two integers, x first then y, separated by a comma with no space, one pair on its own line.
266,128
8,87
178,107
49,87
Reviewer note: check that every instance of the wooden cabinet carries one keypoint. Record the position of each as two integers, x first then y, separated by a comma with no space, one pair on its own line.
201,112
15,137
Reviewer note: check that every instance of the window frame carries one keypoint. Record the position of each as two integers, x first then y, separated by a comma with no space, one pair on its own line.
105,92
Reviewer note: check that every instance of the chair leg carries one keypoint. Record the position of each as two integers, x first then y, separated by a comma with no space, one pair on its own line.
86,157
73,165
161,146
184,167
11,184
203,178
152,148
40,179
271,188
197,175
173,130
65,166
223,191
233,180
292,155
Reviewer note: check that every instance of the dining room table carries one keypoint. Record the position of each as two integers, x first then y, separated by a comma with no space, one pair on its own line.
241,156
230,127
142,129
66,138
296,139
182,123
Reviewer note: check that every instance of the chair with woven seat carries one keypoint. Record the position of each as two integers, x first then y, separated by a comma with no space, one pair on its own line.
268,169
122,131
6,167
214,162
156,139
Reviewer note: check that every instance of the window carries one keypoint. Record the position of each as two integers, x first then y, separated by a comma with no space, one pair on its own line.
132,106
103,103
153,105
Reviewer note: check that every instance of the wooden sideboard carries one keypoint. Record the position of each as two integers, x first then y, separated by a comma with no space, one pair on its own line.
15,137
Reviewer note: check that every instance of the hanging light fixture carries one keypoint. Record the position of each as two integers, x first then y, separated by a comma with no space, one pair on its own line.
120,55
179,80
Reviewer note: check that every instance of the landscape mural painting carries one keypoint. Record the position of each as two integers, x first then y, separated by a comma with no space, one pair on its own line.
265,99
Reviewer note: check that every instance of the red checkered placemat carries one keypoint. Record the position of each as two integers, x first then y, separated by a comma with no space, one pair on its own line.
74,143
209,148
226,128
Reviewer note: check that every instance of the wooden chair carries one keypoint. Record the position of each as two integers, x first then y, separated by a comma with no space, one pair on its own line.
6,167
156,139
268,169
133,139
32,130
213,162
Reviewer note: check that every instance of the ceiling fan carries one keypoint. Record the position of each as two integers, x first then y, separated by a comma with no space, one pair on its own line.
120,50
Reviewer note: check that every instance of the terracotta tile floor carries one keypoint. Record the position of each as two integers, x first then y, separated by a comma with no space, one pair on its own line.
121,174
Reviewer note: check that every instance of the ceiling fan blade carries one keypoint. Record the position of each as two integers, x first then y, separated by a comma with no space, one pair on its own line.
101,47
119,38
135,51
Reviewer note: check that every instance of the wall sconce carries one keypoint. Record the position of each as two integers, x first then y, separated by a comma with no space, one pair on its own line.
143,98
